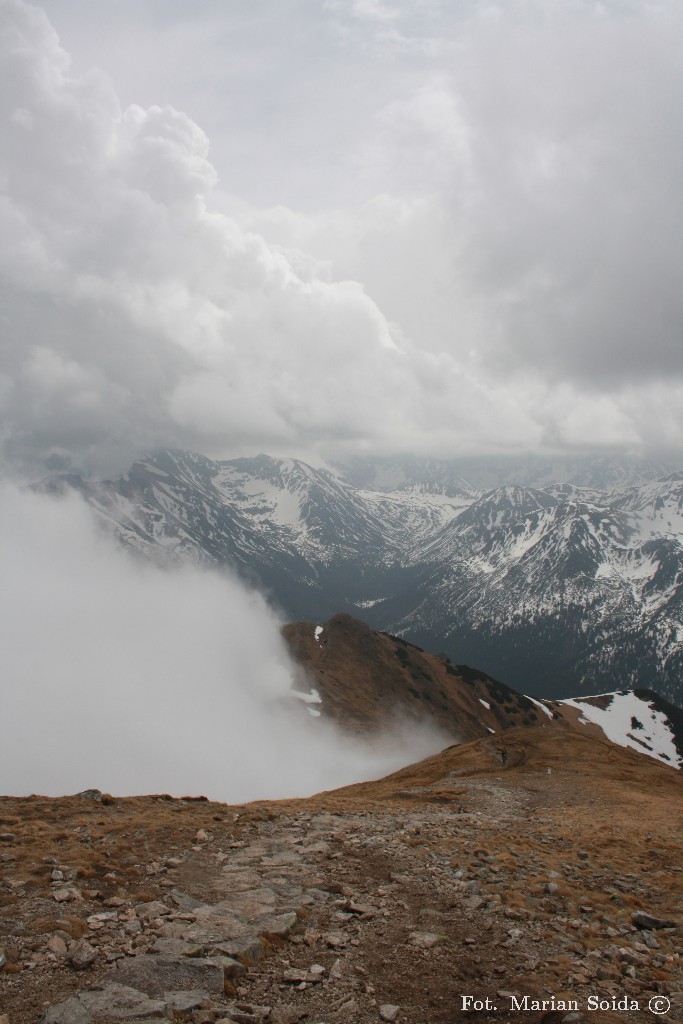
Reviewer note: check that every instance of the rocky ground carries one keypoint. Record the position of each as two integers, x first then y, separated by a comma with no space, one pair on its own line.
557,877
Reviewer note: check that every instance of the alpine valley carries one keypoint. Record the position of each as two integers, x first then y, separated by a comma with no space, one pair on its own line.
557,578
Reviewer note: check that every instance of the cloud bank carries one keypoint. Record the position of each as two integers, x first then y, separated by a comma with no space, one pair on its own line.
514,286
130,679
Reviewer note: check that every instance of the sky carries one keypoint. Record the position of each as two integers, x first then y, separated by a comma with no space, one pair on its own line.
328,227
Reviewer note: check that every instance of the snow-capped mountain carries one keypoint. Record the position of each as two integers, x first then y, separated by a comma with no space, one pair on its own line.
524,578
314,543
553,589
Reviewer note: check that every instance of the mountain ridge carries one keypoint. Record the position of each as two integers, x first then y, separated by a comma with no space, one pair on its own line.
368,681
556,590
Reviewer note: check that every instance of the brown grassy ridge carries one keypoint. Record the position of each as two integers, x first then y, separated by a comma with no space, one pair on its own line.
106,845
368,679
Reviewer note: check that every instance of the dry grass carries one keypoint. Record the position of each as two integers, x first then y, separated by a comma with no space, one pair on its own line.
104,848
622,809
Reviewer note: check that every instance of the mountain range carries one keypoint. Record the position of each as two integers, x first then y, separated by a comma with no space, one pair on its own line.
559,583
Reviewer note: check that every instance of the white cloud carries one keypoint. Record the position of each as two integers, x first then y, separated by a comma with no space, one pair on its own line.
517,258
132,679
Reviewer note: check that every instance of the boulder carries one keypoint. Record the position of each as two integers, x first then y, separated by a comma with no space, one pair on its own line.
156,974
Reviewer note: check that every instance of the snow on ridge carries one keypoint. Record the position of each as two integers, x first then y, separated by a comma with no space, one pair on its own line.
616,721
540,705
485,703
317,633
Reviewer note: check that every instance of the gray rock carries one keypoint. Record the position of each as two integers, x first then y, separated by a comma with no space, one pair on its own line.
280,925
185,902
295,976
184,1002
246,947
336,970
156,974
67,895
119,1002
81,955
389,1011
177,947
71,1011
425,940
57,945
360,909
286,1014
150,911
257,1011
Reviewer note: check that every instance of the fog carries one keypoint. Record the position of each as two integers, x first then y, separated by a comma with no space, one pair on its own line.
125,677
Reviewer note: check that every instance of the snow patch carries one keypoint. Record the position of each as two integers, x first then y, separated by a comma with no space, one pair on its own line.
308,698
617,723
540,705
318,632
485,703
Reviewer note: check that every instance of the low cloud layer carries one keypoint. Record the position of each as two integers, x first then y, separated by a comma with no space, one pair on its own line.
513,287
131,679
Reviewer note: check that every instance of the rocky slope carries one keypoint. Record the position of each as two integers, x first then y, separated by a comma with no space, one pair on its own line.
546,885
555,589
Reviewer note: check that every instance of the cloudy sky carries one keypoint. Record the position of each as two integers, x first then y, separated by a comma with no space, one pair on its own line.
323,226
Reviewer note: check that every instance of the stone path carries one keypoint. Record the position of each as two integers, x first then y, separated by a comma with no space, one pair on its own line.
385,915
